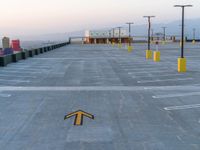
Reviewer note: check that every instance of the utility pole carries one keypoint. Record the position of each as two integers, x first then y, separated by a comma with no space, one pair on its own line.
119,38
152,33
182,60
149,52
164,33
194,36
110,37
113,41
129,40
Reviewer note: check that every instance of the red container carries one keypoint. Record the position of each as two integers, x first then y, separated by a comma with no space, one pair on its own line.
16,45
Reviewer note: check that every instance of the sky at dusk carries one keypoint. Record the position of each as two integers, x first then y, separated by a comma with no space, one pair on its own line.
34,17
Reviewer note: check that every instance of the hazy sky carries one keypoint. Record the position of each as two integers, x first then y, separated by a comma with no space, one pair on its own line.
26,17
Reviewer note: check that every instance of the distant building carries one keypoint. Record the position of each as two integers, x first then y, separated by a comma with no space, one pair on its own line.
15,44
104,37
6,42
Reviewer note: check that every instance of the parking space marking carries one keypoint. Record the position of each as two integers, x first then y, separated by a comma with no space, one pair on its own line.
18,81
15,76
176,95
165,75
148,69
25,69
182,107
20,72
152,81
5,95
143,72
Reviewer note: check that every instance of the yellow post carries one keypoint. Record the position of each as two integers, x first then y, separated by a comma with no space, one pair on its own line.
148,54
120,45
182,65
113,43
193,42
163,42
157,56
130,48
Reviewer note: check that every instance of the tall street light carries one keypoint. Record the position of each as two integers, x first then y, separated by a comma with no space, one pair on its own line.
194,36
164,33
113,41
119,38
182,60
152,33
130,48
148,51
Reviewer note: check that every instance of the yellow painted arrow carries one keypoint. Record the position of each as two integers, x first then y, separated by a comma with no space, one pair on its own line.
79,117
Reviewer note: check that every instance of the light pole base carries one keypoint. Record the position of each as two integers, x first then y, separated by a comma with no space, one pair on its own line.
182,65
157,56
130,49
148,54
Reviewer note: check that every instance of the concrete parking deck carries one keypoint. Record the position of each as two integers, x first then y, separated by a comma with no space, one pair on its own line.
137,104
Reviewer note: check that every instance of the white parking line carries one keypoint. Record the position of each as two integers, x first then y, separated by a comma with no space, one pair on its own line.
5,95
148,69
25,81
150,75
182,107
176,95
151,81
25,69
9,71
143,72
15,76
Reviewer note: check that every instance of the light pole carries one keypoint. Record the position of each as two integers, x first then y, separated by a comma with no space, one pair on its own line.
110,32
152,33
194,36
148,51
130,48
164,34
182,60
119,38
113,41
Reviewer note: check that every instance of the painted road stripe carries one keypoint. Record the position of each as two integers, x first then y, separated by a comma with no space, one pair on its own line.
25,69
145,72
148,69
18,71
177,95
182,107
152,81
14,76
5,95
25,81
98,88
150,75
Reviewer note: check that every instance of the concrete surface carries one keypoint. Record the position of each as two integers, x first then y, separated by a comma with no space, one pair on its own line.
138,104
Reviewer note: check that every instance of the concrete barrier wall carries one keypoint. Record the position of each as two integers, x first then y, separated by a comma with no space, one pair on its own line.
5,60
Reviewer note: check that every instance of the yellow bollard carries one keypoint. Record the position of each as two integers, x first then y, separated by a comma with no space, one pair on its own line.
120,45
148,54
163,42
182,65
130,48
113,43
193,42
157,56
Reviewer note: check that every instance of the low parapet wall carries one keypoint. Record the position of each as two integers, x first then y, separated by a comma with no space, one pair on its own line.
13,58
